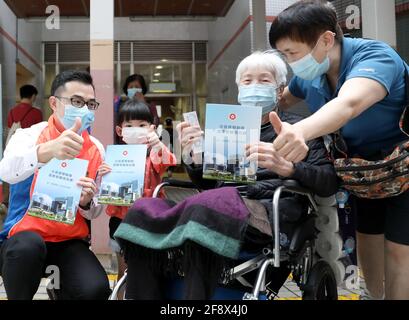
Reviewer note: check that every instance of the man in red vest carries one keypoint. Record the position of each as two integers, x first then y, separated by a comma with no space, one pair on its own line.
31,244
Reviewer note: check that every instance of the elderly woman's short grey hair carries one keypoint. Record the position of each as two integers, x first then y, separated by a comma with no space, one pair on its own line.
269,61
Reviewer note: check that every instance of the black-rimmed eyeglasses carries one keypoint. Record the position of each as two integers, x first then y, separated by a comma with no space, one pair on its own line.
79,102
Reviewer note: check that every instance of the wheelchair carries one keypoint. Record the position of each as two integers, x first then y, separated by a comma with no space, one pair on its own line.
313,275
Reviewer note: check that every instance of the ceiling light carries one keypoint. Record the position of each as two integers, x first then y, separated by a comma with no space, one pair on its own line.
157,74
159,67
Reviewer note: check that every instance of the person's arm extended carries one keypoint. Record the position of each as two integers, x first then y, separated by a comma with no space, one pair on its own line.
356,96
288,100
45,152
20,157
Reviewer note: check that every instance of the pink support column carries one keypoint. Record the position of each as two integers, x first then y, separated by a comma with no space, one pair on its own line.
102,70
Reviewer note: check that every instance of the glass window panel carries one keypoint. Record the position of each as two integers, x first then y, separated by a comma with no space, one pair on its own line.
179,74
125,73
49,78
201,79
65,67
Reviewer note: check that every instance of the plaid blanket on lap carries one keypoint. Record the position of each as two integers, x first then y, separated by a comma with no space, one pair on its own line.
215,219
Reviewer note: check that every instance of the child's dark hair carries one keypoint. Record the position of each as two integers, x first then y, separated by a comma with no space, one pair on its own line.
134,110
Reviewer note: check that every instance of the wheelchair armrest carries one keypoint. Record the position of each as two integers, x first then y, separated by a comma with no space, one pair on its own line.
173,183
179,183
293,185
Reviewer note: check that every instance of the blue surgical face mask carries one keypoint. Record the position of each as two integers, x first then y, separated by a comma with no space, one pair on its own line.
308,68
258,95
133,91
72,113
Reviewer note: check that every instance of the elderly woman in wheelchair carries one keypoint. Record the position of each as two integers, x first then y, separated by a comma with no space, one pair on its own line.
229,236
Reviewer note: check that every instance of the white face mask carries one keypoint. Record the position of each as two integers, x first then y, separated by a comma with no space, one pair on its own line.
135,135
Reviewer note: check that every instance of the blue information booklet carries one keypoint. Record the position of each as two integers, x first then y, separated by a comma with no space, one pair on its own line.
228,129
56,195
124,185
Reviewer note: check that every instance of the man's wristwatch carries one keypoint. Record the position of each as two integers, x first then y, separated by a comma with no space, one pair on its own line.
88,206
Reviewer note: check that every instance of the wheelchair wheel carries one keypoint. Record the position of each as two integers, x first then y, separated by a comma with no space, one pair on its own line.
52,294
321,283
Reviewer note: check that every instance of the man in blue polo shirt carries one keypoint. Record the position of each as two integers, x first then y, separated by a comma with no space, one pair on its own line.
356,86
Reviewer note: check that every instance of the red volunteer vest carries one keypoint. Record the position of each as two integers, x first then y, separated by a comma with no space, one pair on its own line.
53,231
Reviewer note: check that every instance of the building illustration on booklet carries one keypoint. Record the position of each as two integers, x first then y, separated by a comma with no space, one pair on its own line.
56,195
124,185
229,128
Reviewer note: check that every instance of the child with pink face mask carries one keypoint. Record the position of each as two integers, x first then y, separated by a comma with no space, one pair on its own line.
134,125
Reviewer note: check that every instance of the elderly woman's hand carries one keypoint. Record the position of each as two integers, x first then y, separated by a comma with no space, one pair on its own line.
268,158
188,136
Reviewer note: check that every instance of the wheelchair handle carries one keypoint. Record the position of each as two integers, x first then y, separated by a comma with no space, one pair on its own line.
290,186
294,187
180,183
287,185
119,285
173,183
159,188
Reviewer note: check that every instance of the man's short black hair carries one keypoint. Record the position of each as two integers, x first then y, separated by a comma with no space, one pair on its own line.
28,91
132,78
304,22
71,76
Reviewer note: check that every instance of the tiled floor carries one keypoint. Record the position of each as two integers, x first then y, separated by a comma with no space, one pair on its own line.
41,293
290,291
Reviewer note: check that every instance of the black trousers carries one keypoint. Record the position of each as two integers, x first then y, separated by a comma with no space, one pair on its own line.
25,257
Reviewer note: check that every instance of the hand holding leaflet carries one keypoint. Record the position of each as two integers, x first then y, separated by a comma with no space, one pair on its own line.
122,175
192,119
229,128
56,194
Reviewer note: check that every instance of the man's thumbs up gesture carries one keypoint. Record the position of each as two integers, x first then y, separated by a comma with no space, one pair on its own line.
66,147
77,125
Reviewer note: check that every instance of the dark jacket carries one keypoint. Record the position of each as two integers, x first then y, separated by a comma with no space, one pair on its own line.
316,173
